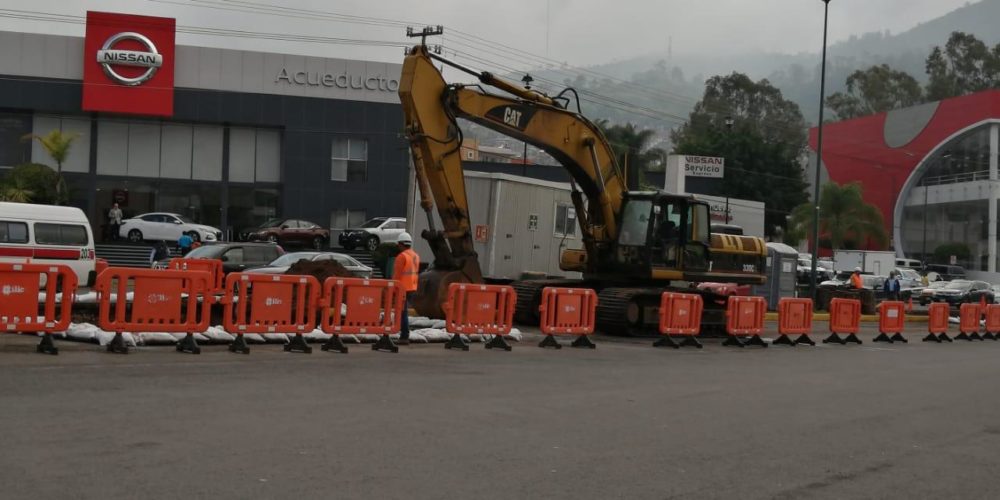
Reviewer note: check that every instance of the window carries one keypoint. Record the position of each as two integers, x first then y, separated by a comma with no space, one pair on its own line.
350,160
60,234
13,232
234,256
565,220
259,254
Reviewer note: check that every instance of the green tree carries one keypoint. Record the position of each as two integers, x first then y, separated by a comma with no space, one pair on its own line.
965,65
57,144
846,221
32,182
943,253
762,137
875,90
631,147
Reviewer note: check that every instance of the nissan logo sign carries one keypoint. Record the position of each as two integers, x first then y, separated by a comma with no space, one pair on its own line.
150,59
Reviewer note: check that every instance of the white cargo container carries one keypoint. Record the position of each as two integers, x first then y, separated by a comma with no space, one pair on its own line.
870,262
519,224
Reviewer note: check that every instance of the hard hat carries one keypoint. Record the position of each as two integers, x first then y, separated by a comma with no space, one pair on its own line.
857,269
404,238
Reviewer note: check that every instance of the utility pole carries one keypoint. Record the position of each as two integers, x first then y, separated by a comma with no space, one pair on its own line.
819,156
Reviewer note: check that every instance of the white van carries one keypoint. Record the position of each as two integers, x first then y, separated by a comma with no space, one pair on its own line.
909,263
46,234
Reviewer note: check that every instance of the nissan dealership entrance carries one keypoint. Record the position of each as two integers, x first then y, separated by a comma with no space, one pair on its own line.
228,138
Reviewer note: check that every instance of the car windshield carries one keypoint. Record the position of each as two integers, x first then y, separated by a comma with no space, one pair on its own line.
186,220
206,252
910,274
376,222
290,258
346,261
958,285
270,223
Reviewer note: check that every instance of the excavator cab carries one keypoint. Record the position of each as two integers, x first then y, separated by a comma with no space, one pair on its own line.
663,236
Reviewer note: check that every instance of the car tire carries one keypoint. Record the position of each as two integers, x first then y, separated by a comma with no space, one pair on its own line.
272,238
194,236
371,243
135,236
318,243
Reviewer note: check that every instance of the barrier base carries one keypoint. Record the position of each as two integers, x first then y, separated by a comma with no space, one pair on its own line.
583,341
968,336
239,345
385,343
882,337
334,344
188,344
941,337
456,342
835,338
989,336
498,342
687,341
117,344
550,341
736,341
47,346
298,344
666,341
804,339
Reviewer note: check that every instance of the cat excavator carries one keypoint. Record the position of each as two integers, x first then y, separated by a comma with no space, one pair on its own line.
636,244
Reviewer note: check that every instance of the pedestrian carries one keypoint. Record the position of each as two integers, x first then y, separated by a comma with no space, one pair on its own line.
891,287
115,220
405,270
184,243
856,282
159,252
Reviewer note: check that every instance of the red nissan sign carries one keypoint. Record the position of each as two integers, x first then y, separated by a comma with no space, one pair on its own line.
128,64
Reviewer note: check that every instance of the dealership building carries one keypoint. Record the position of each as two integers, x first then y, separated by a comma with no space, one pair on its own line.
932,170
229,138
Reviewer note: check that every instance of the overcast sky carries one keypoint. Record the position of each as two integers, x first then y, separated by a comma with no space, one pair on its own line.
578,31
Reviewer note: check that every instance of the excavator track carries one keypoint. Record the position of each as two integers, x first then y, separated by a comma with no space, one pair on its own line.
636,311
529,296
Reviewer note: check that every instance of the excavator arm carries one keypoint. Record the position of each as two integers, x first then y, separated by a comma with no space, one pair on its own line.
432,106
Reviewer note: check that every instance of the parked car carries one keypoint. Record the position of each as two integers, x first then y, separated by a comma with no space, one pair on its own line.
909,263
290,232
804,269
944,272
373,232
166,226
958,292
238,257
46,234
996,293
927,294
283,263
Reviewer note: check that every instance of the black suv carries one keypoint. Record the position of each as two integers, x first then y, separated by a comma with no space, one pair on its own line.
237,257
947,273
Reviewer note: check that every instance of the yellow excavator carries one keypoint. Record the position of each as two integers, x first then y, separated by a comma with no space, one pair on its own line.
636,243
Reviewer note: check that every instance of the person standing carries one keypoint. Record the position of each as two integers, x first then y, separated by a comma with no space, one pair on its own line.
405,270
857,282
891,287
184,243
115,220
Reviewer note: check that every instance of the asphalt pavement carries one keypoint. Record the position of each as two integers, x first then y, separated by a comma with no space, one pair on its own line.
623,421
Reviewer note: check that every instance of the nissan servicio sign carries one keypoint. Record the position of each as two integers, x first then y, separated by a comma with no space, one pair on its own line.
703,166
129,64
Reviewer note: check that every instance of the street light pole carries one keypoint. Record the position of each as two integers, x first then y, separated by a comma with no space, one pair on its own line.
819,156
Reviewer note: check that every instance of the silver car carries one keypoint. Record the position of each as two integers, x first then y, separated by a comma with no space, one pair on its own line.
283,263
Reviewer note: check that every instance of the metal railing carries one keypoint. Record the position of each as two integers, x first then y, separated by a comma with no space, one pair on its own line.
983,175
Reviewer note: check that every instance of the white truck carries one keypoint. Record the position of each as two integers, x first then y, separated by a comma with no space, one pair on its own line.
870,262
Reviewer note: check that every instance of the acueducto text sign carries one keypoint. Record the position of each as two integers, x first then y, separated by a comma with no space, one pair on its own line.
128,64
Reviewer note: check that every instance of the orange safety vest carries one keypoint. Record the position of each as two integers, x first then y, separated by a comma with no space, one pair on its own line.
857,282
405,270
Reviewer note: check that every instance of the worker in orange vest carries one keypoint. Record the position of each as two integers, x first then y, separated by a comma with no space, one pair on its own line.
856,282
405,270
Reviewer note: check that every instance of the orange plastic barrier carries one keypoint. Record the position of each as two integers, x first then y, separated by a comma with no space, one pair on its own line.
745,317
968,322
358,306
891,321
568,311
937,323
845,318
212,266
270,303
19,288
794,318
680,315
482,309
992,322
163,301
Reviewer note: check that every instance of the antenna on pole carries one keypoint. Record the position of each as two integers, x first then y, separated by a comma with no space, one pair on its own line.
424,32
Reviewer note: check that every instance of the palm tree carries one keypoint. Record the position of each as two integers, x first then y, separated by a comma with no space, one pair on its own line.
630,145
57,144
16,190
844,217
